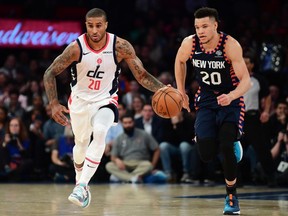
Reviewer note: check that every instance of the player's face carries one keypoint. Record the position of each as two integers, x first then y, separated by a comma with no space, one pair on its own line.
96,28
206,29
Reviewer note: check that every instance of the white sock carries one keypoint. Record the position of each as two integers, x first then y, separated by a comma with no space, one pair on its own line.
78,172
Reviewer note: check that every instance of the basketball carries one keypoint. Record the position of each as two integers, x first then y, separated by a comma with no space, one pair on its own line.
167,102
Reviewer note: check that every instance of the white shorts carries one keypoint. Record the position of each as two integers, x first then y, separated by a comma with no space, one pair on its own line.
81,113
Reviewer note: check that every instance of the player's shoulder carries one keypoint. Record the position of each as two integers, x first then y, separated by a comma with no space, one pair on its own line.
120,42
189,38
120,39
231,41
187,41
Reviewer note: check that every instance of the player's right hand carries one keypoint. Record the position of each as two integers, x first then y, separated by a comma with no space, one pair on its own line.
58,114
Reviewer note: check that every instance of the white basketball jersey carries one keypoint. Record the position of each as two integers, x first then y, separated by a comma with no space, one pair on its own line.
95,75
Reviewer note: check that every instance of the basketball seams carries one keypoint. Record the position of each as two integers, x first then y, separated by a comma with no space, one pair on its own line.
178,105
167,102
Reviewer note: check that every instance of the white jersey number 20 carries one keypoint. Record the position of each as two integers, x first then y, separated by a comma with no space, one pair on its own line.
214,78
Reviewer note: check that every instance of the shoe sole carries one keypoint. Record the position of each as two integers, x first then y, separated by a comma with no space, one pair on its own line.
77,202
231,213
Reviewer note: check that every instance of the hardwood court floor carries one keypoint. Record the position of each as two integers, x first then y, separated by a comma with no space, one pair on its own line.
138,200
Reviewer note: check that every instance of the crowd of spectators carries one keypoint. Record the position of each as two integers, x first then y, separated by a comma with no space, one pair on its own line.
155,28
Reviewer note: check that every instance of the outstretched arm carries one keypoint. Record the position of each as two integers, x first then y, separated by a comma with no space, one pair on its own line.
126,52
69,55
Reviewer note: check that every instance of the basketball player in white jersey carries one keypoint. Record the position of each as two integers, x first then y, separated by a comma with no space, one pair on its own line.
94,61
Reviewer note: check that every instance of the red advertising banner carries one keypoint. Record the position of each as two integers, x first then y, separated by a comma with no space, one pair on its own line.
37,33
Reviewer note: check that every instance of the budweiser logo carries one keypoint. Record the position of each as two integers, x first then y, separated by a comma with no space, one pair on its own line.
37,33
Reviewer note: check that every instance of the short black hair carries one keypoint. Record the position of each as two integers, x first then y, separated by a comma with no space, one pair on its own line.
96,12
128,115
207,12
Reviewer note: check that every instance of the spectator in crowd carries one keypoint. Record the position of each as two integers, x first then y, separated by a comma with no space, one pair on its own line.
131,153
37,144
13,106
166,78
127,98
255,121
115,130
275,96
38,107
15,152
279,153
35,72
51,130
31,90
150,122
4,80
10,66
278,120
176,143
62,168
3,122
137,106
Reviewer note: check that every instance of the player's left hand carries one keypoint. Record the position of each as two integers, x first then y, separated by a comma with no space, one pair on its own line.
224,99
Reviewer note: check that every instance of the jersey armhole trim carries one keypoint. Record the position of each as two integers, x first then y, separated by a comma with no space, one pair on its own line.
114,50
81,50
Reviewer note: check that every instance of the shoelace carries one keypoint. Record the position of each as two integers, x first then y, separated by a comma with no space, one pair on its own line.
230,199
82,191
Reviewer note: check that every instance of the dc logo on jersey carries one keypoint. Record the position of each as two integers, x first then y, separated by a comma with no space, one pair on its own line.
99,60
218,53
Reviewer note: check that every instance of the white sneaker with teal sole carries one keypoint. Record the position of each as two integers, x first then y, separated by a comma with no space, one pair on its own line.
80,196
238,151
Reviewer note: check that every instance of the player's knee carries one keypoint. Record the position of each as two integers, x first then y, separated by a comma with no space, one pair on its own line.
207,149
100,130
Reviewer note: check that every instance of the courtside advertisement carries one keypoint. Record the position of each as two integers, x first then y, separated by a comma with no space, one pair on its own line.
16,33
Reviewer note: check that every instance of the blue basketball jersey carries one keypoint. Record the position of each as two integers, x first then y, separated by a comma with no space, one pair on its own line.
215,75
214,72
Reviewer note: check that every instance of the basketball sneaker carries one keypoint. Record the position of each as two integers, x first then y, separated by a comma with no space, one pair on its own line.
231,205
80,196
238,151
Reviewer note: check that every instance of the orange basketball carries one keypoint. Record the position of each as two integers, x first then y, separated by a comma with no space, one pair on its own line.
167,102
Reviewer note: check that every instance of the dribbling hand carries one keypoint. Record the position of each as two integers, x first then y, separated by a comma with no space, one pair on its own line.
185,102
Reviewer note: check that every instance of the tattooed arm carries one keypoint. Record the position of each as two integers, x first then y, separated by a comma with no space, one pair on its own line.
69,55
126,52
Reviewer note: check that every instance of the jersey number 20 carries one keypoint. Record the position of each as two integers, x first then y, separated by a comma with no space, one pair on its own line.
213,78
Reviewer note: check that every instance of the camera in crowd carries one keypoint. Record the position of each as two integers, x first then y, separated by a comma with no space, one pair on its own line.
14,138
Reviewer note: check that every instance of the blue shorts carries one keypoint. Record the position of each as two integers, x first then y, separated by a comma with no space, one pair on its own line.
209,120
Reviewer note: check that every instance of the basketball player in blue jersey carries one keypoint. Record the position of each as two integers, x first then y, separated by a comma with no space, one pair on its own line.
94,61
223,78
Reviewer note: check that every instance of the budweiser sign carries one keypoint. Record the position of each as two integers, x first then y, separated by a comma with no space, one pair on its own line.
37,33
